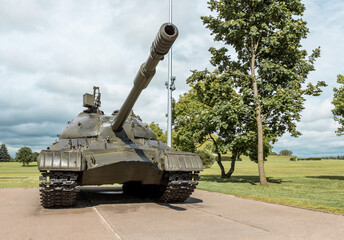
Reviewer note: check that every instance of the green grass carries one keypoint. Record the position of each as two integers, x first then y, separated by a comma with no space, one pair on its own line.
311,184
13,175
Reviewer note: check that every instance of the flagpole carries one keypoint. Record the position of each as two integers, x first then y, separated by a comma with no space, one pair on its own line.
170,87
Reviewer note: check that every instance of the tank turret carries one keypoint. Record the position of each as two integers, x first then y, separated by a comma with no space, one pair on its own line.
96,149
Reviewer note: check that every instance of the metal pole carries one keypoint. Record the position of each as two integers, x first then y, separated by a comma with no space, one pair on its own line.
169,100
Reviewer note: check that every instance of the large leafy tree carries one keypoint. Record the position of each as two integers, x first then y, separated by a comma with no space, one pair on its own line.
266,74
24,155
213,108
161,136
4,155
189,123
338,102
199,118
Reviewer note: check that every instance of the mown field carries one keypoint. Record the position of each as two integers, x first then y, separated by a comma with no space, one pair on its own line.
13,175
311,184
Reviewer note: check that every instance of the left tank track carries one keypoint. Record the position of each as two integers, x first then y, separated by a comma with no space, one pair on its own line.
57,189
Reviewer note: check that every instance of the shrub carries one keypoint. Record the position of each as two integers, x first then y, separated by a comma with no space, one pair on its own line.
208,159
286,153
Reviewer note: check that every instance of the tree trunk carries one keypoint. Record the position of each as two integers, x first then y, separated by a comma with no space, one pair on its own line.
219,160
261,170
231,170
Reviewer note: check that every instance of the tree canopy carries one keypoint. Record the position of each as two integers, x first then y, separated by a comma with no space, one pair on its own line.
338,102
190,122
286,153
4,155
161,136
24,155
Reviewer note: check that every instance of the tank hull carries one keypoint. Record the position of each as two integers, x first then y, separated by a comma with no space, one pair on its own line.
121,172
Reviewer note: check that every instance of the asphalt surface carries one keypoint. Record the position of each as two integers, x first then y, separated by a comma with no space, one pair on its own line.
206,215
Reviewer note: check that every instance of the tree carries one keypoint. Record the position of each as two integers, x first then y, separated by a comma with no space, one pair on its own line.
338,102
189,127
161,136
286,153
198,119
268,71
34,156
4,156
24,155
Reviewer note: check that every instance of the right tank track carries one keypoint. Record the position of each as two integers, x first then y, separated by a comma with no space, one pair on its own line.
179,187
57,189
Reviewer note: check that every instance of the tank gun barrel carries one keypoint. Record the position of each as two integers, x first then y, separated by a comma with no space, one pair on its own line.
160,47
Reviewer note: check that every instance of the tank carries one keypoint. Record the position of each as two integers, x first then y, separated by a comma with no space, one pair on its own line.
97,149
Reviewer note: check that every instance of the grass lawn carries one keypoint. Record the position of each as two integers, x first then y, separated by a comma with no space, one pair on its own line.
13,175
312,184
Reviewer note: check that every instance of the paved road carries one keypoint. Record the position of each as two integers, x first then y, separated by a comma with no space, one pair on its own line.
206,215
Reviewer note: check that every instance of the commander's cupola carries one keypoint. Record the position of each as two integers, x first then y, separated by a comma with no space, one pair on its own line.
92,102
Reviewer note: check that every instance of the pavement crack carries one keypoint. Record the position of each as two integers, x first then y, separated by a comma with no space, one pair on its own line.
227,218
105,222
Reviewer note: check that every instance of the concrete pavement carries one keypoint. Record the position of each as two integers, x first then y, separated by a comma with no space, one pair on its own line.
206,215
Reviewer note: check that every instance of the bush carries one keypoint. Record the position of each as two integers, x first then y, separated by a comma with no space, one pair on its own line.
208,159
286,153
294,159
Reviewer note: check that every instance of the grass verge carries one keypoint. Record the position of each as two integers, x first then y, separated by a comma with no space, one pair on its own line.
311,184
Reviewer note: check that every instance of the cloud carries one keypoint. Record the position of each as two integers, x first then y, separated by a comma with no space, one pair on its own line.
52,52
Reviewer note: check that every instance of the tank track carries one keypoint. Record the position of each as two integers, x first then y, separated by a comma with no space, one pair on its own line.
57,189
179,187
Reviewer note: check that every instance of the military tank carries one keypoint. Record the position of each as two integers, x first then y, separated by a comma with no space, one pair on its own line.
97,149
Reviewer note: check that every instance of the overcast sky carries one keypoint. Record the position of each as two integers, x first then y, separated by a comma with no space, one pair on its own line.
52,52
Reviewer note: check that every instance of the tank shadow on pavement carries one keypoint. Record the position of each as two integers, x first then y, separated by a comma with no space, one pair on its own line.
94,196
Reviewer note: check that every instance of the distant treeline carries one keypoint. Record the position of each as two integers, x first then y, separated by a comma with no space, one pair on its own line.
337,158
308,159
317,158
